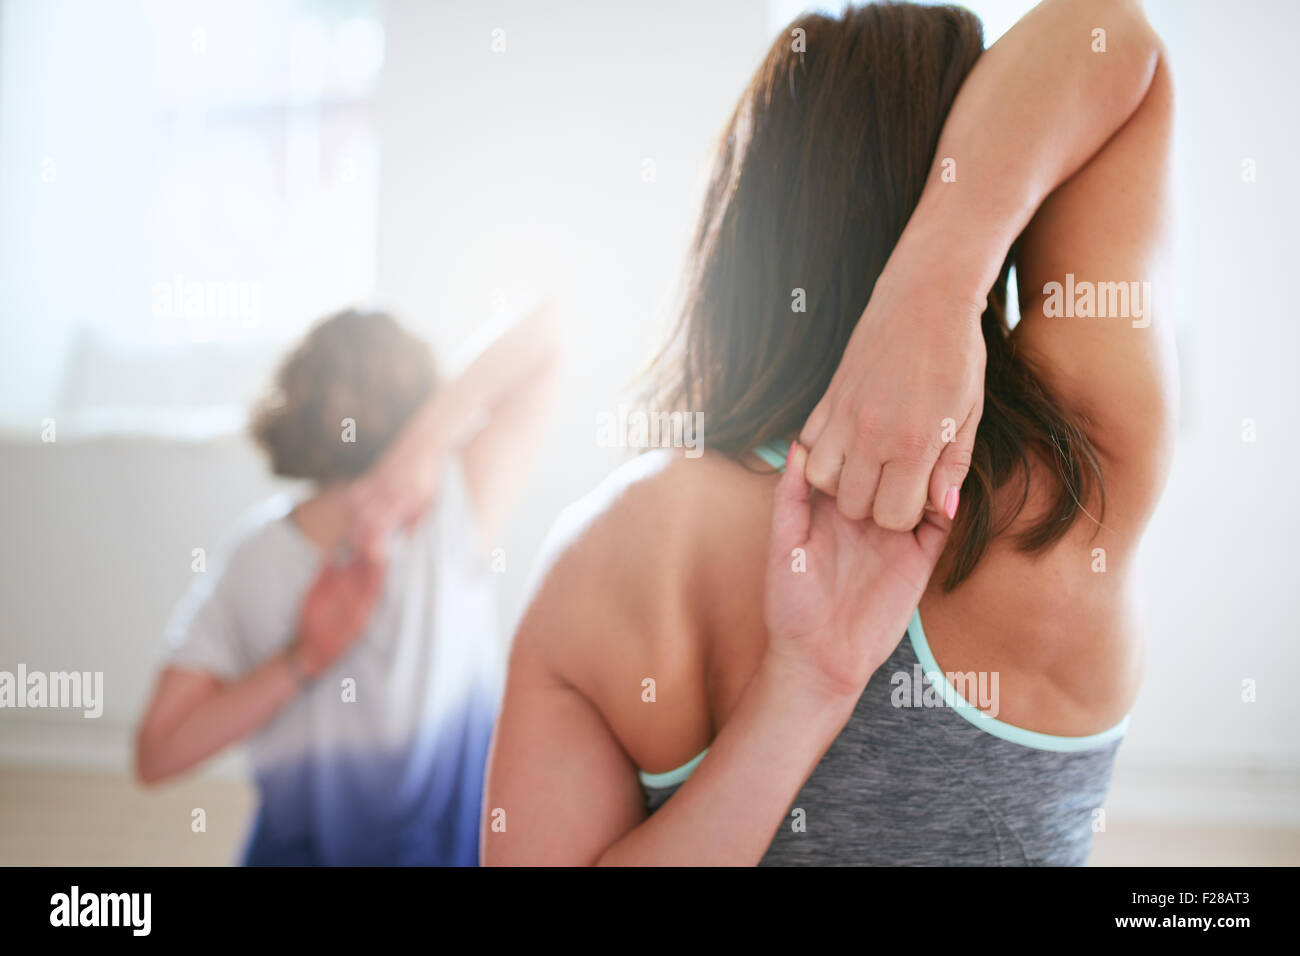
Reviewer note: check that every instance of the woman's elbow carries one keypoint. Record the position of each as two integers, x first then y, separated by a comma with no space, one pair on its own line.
1120,33
148,768
1129,24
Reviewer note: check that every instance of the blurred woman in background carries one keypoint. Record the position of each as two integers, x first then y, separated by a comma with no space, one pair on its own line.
361,667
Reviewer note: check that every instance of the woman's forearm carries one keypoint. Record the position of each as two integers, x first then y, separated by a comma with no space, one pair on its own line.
504,365
403,483
229,715
727,811
1036,107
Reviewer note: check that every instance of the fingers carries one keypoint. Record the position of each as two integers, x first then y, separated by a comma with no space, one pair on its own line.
894,486
791,507
362,580
951,469
894,493
826,460
900,497
859,481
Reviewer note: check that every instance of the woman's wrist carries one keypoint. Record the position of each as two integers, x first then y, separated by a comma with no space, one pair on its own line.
951,251
297,665
804,691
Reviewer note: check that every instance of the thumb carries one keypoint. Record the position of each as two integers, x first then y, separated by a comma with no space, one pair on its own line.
791,506
932,535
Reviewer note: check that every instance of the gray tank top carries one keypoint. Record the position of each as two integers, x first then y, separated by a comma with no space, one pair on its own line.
918,777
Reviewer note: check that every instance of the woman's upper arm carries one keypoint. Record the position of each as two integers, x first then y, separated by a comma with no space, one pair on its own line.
560,789
515,381
576,723
1101,236
499,459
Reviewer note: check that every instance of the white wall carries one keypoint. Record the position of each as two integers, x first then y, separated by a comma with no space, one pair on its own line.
522,171
1220,561
97,548
1222,553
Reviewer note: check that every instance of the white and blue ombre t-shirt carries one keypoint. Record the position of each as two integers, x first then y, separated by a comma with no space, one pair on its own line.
381,760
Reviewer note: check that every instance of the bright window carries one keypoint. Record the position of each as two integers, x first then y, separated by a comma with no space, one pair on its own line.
187,185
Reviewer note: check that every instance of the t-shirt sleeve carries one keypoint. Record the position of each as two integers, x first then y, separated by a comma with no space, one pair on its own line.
203,633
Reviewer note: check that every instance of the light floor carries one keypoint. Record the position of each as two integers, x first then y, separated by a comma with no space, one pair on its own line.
66,818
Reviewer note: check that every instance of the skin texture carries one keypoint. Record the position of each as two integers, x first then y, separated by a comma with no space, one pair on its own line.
666,571
193,714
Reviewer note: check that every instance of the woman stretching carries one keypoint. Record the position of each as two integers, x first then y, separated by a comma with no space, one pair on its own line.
721,666
364,679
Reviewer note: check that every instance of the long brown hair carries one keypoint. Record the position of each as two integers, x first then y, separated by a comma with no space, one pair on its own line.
817,173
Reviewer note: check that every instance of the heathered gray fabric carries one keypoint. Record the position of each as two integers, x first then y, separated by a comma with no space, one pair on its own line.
922,786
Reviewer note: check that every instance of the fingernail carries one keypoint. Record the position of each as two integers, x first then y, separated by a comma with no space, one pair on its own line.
950,502
789,454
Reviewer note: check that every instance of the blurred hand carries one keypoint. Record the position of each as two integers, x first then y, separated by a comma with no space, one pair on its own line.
336,611
840,618
894,431
511,359
396,492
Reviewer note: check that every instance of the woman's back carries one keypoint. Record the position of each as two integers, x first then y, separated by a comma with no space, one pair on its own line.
1062,636
1050,653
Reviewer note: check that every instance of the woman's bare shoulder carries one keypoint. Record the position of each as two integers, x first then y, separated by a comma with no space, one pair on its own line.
634,545
627,591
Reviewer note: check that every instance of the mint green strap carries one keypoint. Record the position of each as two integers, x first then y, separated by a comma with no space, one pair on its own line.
774,453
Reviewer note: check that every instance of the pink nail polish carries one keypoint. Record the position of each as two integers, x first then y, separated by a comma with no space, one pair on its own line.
789,454
950,502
